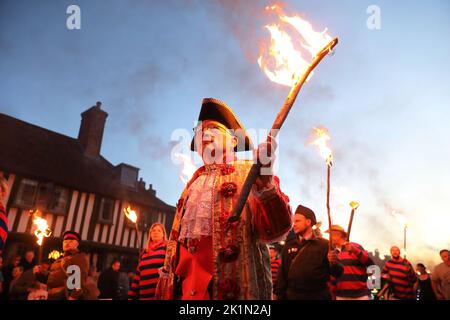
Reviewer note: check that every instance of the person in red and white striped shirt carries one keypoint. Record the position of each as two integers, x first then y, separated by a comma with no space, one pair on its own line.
352,283
401,276
144,284
3,217
275,263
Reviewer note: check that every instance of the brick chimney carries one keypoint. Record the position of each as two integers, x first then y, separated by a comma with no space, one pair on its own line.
91,130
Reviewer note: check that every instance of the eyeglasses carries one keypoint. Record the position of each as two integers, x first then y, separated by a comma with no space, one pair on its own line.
211,128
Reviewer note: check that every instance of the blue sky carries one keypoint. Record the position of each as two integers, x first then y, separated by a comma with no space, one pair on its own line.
383,96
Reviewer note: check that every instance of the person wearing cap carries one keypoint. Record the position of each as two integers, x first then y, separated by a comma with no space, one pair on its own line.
207,256
352,284
306,262
57,278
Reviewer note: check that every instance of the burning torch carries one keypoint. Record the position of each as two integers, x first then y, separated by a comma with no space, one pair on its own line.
41,231
327,154
132,216
291,70
354,205
404,222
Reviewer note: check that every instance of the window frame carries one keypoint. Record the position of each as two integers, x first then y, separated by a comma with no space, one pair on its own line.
101,209
62,212
21,205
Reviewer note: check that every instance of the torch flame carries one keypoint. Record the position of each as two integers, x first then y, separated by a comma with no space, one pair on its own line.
282,62
130,214
400,218
354,205
321,143
42,229
55,254
188,167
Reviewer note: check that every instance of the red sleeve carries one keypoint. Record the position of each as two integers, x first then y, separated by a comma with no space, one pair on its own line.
133,293
272,218
361,254
3,227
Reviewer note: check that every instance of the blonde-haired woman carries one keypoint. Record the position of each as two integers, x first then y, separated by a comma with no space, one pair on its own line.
150,261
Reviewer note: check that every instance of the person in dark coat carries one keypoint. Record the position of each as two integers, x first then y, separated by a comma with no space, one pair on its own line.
29,260
424,286
31,280
58,288
306,262
7,275
108,282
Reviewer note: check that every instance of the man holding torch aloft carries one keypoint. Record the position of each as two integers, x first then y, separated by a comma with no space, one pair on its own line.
208,256
352,284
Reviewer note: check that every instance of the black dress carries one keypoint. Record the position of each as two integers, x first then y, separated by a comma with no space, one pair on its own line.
426,290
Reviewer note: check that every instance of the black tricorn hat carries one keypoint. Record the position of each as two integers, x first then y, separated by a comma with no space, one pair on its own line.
214,109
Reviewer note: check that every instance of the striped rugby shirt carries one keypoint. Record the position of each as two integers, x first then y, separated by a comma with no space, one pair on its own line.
353,281
274,265
3,227
402,278
144,284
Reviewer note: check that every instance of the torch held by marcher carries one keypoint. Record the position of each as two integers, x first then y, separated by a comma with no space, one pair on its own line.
354,205
277,124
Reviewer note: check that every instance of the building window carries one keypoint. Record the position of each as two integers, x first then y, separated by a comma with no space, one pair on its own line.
128,176
59,200
26,193
106,210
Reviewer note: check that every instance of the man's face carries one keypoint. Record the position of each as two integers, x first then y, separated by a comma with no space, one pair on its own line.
17,272
395,252
445,257
337,238
29,256
421,269
116,266
273,253
213,142
70,244
301,224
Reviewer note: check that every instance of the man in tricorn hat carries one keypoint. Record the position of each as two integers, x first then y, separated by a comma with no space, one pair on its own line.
207,256
58,288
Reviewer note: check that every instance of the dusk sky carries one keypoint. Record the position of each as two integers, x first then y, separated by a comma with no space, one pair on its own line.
384,97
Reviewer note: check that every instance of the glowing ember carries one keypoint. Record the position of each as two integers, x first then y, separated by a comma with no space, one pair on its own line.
282,62
42,229
130,214
321,143
188,168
